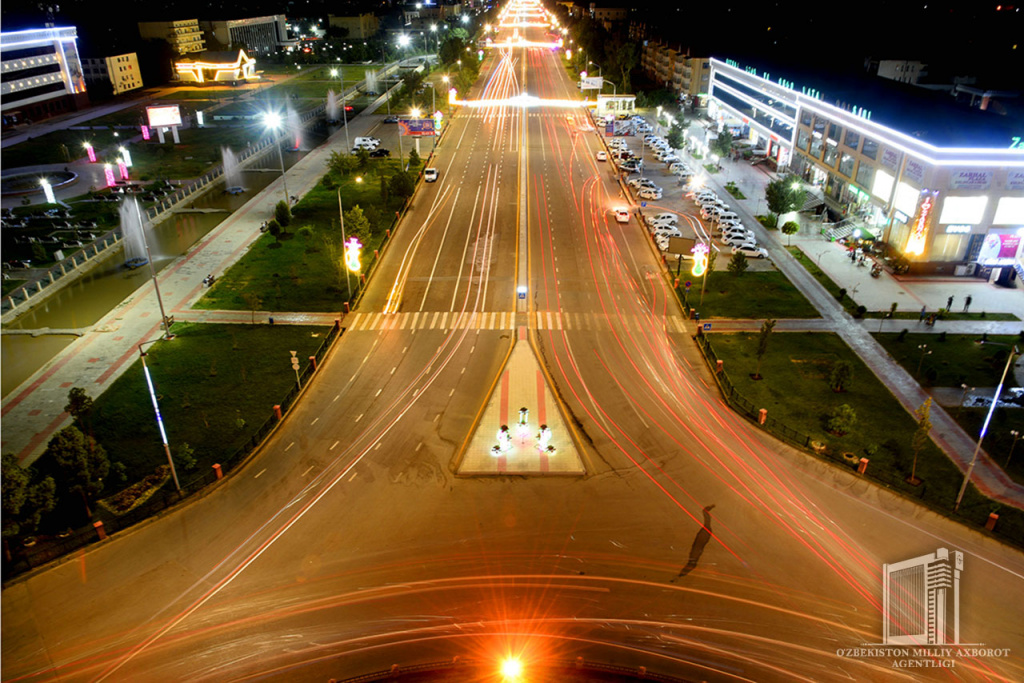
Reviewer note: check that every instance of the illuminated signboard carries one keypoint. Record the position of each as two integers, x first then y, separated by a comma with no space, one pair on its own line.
417,127
958,229
164,117
919,228
900,216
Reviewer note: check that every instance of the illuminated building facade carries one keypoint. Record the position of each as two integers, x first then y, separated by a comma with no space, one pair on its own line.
184,35
217,67
40,75
676,70
259,35
121,71
943,187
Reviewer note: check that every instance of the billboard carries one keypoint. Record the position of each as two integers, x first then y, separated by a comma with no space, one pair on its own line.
416,127
164,116
591,83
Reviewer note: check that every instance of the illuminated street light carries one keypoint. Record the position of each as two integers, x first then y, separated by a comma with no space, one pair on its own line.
348,269
156,409
126,155
90,151
403,40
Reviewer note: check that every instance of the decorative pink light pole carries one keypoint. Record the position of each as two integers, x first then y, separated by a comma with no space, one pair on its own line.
90,151
108,171
122,169
145,132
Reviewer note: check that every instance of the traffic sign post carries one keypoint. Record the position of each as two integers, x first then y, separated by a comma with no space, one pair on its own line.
295,366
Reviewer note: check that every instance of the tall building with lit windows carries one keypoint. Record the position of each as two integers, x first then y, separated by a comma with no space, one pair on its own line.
184,35
943,186
40,75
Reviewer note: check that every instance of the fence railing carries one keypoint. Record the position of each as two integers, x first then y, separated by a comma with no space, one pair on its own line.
20,559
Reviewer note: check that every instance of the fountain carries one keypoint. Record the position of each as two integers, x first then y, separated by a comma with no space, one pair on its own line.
332,107
232,172
132,233
371,82
294,126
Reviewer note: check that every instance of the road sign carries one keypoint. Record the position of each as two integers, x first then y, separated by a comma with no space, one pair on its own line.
643,204
707,327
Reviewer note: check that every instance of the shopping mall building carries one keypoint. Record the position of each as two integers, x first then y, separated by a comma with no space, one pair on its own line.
941,185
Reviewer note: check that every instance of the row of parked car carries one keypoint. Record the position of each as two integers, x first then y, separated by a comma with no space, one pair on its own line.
726,224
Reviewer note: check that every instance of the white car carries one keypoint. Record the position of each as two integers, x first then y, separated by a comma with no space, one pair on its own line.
727,216
662,225
744,235
698,194
622,215
678,166
750,251
667,232
737,240
637,183
670,159
666,217
650,193
661,243
602,155
430,175
649,138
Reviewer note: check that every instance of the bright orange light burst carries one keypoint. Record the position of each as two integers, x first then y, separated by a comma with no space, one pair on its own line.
512,669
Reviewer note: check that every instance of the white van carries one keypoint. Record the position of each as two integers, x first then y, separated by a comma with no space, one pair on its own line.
727,216
365,143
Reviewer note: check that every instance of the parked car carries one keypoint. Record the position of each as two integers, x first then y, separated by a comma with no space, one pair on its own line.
391,119
430,175
661,225
726,216
637,183
650,193
666,217
380,153
750,251
667,232
631,166
602,155
737,240
670,159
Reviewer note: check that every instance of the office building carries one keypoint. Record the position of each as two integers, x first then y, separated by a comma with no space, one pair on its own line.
40,75
258,35
184,35
121,71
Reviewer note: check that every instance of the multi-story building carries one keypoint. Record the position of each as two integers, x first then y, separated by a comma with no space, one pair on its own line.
360,26
607,15
942,185
902,70
121,71
184,35
258,35
40,75
676,70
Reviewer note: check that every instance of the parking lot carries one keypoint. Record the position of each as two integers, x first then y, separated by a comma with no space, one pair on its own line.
668,187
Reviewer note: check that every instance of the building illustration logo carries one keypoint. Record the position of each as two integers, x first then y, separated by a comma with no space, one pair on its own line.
921,599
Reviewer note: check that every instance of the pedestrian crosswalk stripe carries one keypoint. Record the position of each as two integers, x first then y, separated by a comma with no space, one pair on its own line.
505,320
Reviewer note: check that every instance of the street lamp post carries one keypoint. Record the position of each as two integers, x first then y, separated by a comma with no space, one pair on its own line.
152,273
923,348
984,428
344,113
1016,437
272,120
341,215
156,409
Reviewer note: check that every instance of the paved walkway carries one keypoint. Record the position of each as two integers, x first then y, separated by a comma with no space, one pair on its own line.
878,294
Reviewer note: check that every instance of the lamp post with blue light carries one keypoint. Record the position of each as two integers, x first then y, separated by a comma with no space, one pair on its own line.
272,120
156,409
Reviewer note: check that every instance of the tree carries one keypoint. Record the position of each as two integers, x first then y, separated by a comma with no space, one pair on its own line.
253,302
79,405
384,194
790,228
362,158
341,164
842,419
82,462
452,48
920,438
14,490
283,213
39,254
738,265
274,228
356,223
762,343
722,145
414,159
782,196
402,184
840,375
676,138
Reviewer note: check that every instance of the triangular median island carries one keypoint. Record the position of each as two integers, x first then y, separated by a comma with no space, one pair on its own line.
521,384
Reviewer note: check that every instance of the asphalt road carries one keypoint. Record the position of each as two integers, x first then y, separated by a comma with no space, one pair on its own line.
694,544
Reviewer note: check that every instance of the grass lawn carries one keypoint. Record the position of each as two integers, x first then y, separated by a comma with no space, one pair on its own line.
751,295
795,391
46,149
206,378
998,439
11,285
960,359
298,273
198,151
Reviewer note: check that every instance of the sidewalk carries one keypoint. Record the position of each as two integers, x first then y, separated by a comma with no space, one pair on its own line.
34,412
877,294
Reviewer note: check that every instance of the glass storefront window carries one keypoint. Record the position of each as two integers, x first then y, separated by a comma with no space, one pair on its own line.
805,117
834,132
816,147
865,175
870,149
831,152
846,165
948,248
852,139
803,138
819,125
